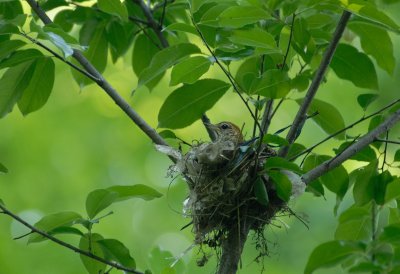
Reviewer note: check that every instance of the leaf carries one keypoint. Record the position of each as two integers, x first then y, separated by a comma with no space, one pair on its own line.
50,222
260,191
136,191
350,64
40,86
98,200
3,169
392,190
381,182
8,47
328,117
330,254
294,150
397,156
274,84
167,134
376,42
256,37
391,234
336,180
189,70
165,59
143,51
281,163
20,56
239,16
114,7
89,242
161,260
178,26
354,224
367,154
188,103
282,184
275,139
12,85
363,190
364,100
117,251
66,230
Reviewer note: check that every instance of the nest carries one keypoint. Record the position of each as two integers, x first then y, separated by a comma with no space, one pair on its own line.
221,177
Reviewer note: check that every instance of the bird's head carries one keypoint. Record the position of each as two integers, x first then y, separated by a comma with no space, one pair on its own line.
227,131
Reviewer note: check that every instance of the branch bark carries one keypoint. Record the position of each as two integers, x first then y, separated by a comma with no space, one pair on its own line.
326,60
352,149
5,211
106,86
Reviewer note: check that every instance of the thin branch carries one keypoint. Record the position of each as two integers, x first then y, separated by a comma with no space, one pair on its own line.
346,128
387,141
164,7
290,41
100,81
230,78
64,244
266,119
152,23
160,5
385,152
301,114
353,149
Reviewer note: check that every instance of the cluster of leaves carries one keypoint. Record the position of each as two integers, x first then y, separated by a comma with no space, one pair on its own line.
275,48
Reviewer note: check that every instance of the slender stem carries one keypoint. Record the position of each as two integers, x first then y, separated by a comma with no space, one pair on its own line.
302,112
266,119
346,128
352,149
387,141
102,82
164,7
64,244
290,41
385,152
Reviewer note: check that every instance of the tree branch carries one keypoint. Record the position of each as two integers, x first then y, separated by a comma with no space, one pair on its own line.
302,112
64,244
102,82
352,149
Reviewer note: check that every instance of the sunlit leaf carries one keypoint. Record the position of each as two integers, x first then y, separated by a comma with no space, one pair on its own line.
256,37
364,100
114,7
350,64
20,56
165,59
90,243
354,224
363,190
392,190
187,104
135,191
50,222
330,254
178,26
98,200
189,70
239,16
117,251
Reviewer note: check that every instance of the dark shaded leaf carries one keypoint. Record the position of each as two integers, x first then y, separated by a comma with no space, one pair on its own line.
8,47
366,154
275,140
392,190
281,163
260,191
167,134
117,251
20,56
114,7
363,190
274,84
186,104
3,169
282,184
391,234
364,100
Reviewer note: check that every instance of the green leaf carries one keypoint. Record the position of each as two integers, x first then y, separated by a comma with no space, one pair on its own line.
354,224
165,59
275,139
66,230
350,64
281,163
294,150
161,260
328,117
167,134
98,200
380,182
300,32
330,254
181,27
20,56
3,169
143,51
50,222
189,70
136,191
40,86
336,180
239,16
117,251
363,190
376,42
274,84
89,242
282,184
391,234
114,7
186,104
13,84
119,39
397,156
366,154
8,47
392,190
364,100
260,191
257,38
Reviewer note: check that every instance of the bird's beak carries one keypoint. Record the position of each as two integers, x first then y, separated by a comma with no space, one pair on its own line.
213,129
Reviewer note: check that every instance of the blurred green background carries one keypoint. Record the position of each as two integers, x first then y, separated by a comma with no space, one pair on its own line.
81,141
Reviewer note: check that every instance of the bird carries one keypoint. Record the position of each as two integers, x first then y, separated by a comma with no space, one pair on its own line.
227,131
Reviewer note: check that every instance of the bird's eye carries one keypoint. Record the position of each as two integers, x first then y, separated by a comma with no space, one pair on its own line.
224,126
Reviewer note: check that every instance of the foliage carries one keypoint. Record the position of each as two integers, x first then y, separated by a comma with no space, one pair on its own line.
269,53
